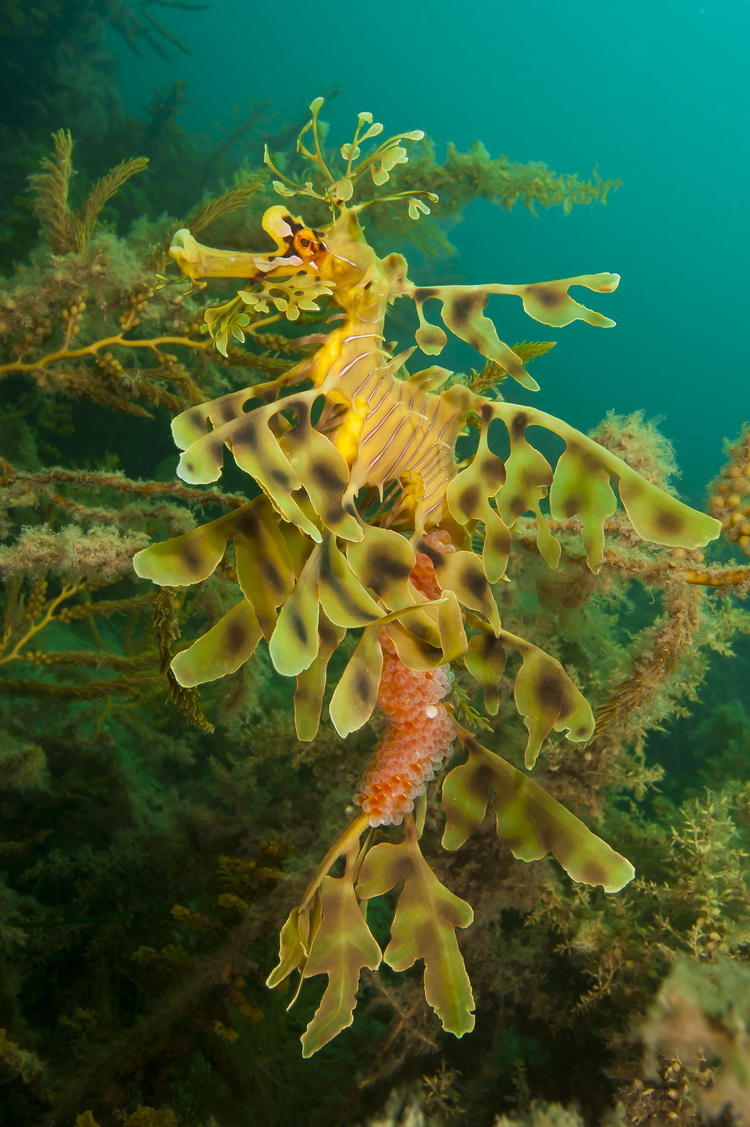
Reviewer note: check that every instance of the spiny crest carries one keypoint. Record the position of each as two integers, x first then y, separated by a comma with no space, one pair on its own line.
340,190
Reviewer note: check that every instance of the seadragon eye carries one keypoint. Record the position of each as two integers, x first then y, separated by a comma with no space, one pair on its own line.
306,246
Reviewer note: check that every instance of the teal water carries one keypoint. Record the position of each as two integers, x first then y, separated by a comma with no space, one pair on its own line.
654,94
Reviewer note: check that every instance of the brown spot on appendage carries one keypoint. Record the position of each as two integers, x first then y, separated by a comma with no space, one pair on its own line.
436,558
550,692
381,569
283,480
326,477
192,559
419,630
492,471
469,499
548,836
299,628
462,308
668,523
363,687
271,577
487,413
492,646
424,293
593,873
331,516
518,505
235,637
481,781
591,462
545,295
518,424
475,582
572,504
446,913
327,634
227,411
401,870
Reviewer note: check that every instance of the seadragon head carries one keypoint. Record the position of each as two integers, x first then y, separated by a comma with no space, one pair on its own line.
306,263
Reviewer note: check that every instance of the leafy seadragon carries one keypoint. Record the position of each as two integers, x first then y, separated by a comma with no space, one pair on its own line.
366,521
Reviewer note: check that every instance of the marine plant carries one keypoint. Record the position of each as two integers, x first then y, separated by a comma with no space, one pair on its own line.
370,518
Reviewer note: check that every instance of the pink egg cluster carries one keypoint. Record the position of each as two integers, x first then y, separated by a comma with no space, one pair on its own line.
420,731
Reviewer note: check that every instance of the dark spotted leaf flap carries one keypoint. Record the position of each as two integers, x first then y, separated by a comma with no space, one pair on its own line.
197,422
581,488
326,581
342,946
265,569
551,304
424,927
342,595
453,640
256,450
416,648
463,574
660,518
295,640
547,698
301,928
529,476
356,694
485,660
222,650
323,472
383,561
190,558
468,500
311,682
529,821
463,313
655,515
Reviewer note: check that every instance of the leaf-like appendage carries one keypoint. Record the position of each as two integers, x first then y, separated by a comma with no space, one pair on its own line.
342,946
265,570
311,682
529,821
463,574
323,472
356,694
463,313
383,561
581,488
226,646
529,476
424,927
485,660
468,500
294,642
188,559
342,595
547,698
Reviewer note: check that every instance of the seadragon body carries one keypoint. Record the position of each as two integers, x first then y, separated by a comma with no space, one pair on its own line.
367,520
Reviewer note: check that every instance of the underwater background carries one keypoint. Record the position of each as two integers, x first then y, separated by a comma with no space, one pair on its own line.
153,839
